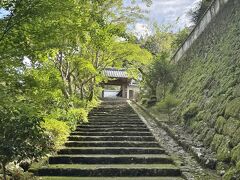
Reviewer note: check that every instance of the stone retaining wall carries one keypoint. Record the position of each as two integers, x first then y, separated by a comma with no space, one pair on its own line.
208,86
214,9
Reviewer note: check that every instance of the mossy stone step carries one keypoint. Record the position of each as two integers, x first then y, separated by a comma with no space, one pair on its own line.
108,178
110,170
111,138
113,117
113,129
111,144
111,125
115,144
112,113
117,119
110,159
114,123
111,150
116,133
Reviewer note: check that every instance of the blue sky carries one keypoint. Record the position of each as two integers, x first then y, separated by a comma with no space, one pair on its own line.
165,12
3,12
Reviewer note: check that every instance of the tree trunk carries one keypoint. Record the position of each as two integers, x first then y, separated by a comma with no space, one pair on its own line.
81,92
4,171
69,80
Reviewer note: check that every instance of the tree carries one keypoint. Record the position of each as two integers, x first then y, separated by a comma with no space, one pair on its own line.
162,44
179,38
52,54
197,13
160,74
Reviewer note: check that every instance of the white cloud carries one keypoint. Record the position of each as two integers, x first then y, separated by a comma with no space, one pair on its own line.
141,30
168,11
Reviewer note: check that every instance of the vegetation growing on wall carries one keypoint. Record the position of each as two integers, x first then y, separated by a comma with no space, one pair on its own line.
208,84
198,11
206,79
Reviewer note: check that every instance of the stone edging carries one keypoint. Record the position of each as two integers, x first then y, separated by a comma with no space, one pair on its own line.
196,152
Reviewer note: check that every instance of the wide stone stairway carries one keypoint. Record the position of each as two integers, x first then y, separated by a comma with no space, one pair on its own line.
115,144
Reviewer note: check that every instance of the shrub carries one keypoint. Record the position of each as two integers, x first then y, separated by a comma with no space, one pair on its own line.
76,115
21,135
167,104
57,130
92,104
144,101
71,117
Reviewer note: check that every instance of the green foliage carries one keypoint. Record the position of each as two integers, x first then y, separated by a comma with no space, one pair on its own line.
197,13
159,74
167,104
180,37
190,112
52,57
76,115
160,42
58,131
20,134
71,117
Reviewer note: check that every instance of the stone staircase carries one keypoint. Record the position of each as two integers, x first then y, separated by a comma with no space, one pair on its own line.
115,143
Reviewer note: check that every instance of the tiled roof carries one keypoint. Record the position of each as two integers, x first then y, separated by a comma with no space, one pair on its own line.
115,73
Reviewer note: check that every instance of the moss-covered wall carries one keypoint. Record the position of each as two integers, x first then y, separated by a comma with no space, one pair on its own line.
209,83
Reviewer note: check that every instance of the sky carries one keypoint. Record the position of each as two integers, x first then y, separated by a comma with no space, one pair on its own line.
162,12
165,12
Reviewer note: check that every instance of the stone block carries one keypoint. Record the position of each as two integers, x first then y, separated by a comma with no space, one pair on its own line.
230,127
220,124
233,108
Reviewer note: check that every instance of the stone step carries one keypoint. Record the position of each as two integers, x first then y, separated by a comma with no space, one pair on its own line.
109,178
113,126
116,119
111,138
110,114
111,150
115,144
111,170
116,133
113,123
112,129
111,144
111,159
113,116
